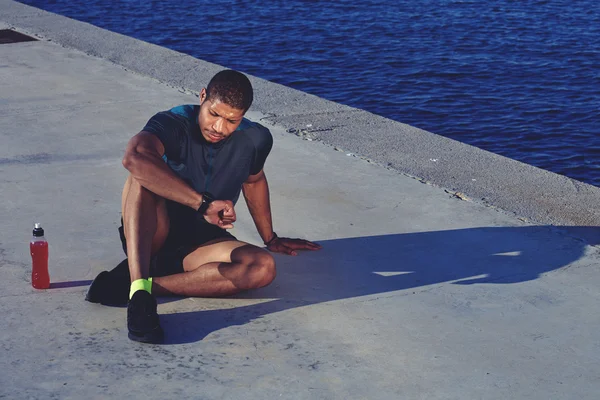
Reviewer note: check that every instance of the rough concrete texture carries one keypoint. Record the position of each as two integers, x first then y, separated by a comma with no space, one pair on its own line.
415,294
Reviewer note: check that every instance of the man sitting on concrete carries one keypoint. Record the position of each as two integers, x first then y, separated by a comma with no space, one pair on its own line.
187,168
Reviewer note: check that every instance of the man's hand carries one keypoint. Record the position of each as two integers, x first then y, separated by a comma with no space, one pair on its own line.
221,213
289,246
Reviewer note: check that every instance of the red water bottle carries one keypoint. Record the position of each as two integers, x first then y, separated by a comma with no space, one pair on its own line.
40,279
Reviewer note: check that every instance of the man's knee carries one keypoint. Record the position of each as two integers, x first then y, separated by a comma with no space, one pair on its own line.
261,270
135,186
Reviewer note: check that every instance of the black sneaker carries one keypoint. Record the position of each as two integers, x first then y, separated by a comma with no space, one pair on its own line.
142,319
111,288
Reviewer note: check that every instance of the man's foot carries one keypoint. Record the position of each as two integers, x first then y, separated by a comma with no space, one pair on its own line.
142,319
111,288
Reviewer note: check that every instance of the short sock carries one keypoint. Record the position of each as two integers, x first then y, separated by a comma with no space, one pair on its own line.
140,284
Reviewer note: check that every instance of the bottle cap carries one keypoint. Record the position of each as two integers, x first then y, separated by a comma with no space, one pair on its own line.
37,230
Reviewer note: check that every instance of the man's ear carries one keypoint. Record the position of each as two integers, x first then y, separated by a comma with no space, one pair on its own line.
202,95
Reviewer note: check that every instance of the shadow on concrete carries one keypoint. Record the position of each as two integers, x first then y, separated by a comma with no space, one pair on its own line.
68,284
354,267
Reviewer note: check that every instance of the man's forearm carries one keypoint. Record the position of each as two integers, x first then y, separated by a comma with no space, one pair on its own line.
156,176
259,205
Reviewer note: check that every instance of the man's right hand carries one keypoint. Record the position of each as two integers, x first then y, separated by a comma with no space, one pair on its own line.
221,213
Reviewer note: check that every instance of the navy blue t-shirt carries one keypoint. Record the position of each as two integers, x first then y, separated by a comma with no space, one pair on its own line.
218,168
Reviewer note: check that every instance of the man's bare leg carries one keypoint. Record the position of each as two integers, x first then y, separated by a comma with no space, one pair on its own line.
219,269
146,225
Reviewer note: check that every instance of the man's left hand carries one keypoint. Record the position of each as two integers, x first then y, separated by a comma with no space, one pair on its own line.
289,246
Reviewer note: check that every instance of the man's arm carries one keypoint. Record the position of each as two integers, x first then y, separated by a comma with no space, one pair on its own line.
256,193
143,159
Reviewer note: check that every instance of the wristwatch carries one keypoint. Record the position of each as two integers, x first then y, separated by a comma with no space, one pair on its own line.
207,198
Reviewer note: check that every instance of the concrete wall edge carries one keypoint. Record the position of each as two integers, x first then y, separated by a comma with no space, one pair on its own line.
465,172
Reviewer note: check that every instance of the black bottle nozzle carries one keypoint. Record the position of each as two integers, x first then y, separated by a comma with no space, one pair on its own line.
37,230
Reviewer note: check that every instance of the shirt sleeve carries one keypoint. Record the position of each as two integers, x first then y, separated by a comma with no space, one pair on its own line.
263,143
170,130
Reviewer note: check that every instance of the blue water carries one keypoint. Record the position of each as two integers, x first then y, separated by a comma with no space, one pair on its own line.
518,78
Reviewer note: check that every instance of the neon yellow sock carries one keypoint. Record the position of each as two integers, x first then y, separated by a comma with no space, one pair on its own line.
140,284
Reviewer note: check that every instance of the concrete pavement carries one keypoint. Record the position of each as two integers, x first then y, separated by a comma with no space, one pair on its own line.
416,293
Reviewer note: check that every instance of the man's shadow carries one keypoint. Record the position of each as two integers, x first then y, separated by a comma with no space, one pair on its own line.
353,267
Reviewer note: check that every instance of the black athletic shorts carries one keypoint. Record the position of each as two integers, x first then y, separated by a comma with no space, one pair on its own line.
183,238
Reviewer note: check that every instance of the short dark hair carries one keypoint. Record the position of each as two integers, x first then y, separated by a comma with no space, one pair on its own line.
232,88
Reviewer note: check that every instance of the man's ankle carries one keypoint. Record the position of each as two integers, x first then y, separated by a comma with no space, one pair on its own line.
140,284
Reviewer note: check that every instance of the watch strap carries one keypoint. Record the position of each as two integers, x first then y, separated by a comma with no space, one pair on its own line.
207,198
273,238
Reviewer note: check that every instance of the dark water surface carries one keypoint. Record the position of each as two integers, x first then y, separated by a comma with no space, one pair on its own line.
518,78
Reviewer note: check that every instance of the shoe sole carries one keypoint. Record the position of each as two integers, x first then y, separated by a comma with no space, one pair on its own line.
155,336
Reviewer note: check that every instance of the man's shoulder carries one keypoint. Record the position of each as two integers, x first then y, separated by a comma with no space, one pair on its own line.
253,128
255,134
187,111
180,118
173,127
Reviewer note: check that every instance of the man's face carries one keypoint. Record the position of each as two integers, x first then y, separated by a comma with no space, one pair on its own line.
217,120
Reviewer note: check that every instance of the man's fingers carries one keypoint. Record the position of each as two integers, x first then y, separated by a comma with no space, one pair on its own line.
282,248
231,218
290,251
225,212
289,246
300,244
228,214
228,220
310,245
224,224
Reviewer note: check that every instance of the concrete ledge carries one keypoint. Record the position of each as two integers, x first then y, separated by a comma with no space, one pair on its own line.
528,192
